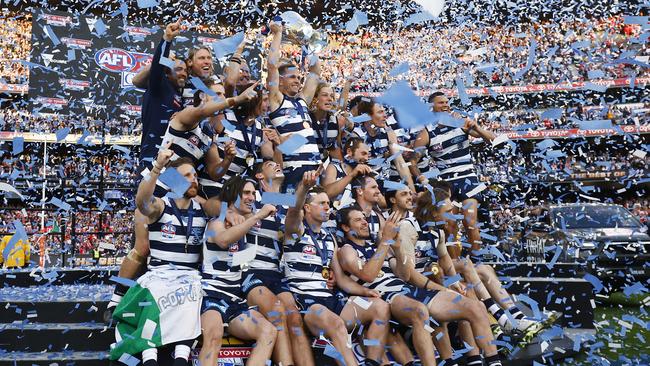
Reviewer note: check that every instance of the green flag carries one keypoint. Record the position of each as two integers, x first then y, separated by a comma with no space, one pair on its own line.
155,312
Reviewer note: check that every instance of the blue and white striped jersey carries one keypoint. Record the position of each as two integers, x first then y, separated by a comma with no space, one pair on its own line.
292,117
449,152
304,265
174,245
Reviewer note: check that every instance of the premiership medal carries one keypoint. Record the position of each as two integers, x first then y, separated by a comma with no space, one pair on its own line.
380,274
434,270
187,243
326,273
250,160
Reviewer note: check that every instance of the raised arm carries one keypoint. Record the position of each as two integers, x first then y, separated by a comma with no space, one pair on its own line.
345,94
190,116
399,162
232,70
293,221
150,206
421,142
473,128
309,89
334,187
272,64
270,141
223,236
156,70
368,271
217,167
141,79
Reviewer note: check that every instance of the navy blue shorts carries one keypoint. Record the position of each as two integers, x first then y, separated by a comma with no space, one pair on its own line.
334,304
419,294
410,291
272,280
225,305
293,176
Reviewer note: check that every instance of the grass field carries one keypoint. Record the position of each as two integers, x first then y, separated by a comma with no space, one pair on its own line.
623,338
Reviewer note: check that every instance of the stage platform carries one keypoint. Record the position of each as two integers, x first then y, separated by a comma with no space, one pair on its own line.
55,316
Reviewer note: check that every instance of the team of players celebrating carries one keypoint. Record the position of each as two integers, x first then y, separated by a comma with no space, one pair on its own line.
348,233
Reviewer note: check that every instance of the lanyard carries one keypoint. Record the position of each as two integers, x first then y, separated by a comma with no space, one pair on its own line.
298,107
323,135
324,256
434,245
249,142
371,224
190,218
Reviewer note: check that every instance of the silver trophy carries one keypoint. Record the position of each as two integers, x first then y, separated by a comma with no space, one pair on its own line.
299,32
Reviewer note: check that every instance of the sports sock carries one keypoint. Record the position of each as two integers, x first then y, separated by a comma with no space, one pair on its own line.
493,360
474,360
497,312
516,313
150,357
451,362
118,293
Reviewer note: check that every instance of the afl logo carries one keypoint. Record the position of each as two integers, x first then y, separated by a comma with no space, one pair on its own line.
234,247
194,140
115,60
168,231
309,249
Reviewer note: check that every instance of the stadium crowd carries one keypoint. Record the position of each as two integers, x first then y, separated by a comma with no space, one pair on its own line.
22,120
89,165
571,117
15,41
537,166
485,56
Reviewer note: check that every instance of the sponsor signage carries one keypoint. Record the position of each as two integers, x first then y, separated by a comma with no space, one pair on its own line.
576,133
57,20
72,84
77,43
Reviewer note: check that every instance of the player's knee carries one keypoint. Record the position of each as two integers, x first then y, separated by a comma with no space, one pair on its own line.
279,310
213,335
381,310
337,325
294,320
419,314
475,310
485,272
267,332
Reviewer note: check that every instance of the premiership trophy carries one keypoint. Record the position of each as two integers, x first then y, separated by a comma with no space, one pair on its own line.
298,31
